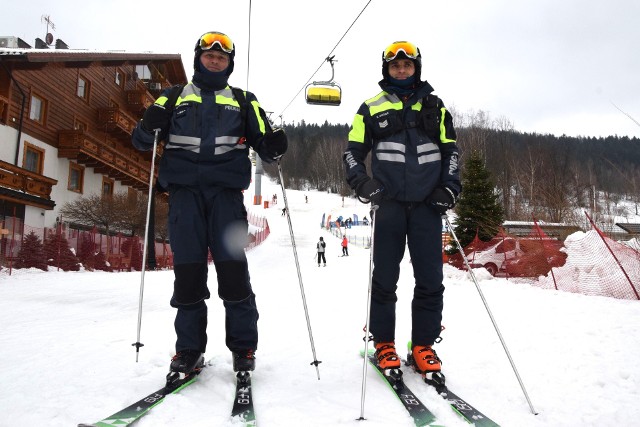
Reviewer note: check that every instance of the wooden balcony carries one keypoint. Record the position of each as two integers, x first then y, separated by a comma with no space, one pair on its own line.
139,99
116,122
125,165
28,182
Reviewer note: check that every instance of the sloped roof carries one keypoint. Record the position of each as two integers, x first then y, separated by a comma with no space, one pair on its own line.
62,55
41,56
629,227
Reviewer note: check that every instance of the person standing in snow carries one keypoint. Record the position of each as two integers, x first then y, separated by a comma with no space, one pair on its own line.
345,242
415,180
320,247
205,167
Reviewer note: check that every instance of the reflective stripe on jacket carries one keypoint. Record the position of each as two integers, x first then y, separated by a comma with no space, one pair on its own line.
414,146
207,142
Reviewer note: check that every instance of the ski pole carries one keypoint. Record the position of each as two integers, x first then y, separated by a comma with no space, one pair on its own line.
138,344
495,325
295,255
366,327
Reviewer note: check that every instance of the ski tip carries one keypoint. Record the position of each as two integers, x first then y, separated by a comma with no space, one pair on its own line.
86,425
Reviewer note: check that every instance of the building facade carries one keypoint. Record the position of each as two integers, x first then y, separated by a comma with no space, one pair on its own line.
66,118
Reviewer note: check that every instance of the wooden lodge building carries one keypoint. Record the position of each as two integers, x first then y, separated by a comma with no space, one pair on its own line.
66,118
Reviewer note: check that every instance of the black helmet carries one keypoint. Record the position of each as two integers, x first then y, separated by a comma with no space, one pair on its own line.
401,50
214,40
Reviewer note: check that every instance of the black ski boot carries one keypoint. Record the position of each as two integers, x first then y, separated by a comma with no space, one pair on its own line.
244,360
187,361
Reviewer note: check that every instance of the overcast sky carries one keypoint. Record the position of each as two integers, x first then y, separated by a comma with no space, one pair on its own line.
546,66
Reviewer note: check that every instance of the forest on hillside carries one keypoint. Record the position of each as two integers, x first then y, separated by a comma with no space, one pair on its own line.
541,175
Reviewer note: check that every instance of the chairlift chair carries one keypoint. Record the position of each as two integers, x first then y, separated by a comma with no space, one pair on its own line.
324,92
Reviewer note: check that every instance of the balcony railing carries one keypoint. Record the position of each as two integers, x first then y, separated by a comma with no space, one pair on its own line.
125,165
115,121
139,99
20,179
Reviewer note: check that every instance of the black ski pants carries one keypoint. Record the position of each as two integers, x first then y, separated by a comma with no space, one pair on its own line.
215,222
419,227
321,257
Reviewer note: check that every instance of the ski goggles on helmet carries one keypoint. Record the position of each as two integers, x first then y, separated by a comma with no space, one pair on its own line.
409,49
208,40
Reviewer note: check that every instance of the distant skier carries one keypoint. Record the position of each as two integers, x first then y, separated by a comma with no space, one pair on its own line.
320,248
345,242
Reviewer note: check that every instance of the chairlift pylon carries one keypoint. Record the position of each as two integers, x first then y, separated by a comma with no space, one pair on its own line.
324,92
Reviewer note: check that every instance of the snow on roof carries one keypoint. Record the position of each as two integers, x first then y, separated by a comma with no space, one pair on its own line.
74,53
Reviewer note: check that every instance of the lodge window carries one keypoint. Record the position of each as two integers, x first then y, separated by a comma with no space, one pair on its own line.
33,158
143,72
119,78
83,88
76,178
107,186
37,109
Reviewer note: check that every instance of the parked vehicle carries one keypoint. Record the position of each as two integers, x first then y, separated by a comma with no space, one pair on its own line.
494,256
535,263
519,257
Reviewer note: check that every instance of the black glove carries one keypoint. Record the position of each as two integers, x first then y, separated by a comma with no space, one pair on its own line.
370,189
442,199
156,117
276,143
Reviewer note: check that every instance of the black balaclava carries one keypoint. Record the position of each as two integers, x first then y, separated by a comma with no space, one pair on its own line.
417,62
209,79
401,87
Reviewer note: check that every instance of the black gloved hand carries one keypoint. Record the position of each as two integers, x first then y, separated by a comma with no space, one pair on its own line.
276,143
370,189
442,199
156,117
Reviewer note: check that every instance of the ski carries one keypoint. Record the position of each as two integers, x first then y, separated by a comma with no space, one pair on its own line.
421,415
243,403
134,412
459,405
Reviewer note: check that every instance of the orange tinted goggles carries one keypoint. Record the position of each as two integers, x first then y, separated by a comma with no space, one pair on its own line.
208,40
394,49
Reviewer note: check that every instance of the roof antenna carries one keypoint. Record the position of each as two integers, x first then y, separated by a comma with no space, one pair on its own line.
48,37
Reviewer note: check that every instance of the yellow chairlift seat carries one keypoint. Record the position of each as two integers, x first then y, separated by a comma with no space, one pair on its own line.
325,92
321,93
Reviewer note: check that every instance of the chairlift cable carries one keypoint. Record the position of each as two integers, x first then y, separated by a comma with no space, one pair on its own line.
324,60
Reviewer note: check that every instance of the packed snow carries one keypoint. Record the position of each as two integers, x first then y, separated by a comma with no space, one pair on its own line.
66,342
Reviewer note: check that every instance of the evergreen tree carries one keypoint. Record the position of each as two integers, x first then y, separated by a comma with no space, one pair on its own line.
90,256
479,210
31,253
58,253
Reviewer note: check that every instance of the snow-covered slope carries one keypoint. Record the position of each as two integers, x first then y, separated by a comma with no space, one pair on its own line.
65,343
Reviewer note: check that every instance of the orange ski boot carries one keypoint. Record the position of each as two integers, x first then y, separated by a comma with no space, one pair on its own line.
425,359
426,362
386,355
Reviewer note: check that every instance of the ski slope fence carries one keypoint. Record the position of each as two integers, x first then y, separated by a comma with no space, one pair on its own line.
588,263
95,249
